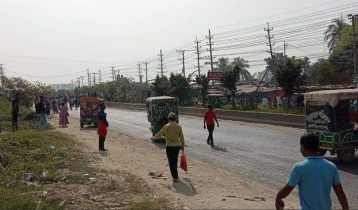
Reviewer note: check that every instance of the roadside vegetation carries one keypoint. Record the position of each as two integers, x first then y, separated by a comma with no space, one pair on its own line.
44,170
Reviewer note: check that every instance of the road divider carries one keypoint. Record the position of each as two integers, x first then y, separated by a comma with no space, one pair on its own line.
247,116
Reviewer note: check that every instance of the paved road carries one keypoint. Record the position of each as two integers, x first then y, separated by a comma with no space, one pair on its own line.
263,154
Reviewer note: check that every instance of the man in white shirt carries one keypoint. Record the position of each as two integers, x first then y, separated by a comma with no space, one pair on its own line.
264,102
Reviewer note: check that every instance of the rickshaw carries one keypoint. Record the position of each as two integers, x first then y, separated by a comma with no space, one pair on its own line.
89,108
158,109
330,117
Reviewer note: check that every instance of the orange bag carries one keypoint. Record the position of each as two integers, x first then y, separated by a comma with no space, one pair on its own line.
183,164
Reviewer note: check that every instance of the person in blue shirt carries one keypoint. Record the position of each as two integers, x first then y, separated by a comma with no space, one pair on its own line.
102,126
315,176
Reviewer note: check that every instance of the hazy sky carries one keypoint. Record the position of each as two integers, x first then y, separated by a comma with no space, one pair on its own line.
55,38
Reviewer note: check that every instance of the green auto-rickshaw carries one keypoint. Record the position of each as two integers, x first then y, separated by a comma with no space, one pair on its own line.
89,108
329,114
158,109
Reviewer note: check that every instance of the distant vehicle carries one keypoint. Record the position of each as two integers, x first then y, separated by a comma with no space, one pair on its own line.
89,108
158,109
328,116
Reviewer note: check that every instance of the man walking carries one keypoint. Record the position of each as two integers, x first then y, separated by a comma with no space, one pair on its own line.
174,142
315,176
15,112
209,122
42,113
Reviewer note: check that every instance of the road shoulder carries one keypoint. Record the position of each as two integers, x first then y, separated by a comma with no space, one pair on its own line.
202,187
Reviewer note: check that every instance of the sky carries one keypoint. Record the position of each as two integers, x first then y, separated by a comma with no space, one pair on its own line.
56,41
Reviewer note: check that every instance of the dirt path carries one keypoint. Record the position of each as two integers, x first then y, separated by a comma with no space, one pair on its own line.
202,187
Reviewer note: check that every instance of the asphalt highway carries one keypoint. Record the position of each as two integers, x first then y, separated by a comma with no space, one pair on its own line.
261,153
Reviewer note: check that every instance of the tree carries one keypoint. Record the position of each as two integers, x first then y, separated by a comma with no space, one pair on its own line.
229,79
333,33
244,74
180,88
223,64
161,86
290,77
203,83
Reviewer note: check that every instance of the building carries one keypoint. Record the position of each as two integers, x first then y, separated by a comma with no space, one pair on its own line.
62,87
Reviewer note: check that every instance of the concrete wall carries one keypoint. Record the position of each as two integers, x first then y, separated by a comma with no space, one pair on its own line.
247,116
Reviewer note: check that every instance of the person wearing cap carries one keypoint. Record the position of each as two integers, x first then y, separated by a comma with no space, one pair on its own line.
102,126
174,142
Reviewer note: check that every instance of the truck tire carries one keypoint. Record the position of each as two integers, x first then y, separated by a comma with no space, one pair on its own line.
346,155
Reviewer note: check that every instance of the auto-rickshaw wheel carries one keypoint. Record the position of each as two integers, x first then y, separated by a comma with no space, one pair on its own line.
346,155
82,124
322,152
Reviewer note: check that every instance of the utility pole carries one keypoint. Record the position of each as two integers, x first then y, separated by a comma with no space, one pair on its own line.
113,73
198,54
284,48
270,45
2,76
118,75
211,51
94,79
89,77
79,81
182,60
161,63
354,35
82,79
100,76
140,72
146,71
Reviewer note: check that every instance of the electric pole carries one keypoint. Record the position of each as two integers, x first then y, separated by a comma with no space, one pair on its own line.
284,48
140,72
270,45
89,77
82,79
354,35
198,54
2,76
161,63
146,71
100,76
113,73
79,81
211,51
118,75
182,60
94,79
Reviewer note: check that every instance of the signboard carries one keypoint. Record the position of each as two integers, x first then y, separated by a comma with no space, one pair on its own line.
319,116
214,75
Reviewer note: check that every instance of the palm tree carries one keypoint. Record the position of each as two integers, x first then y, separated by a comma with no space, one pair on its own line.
223,64
333,33
244,65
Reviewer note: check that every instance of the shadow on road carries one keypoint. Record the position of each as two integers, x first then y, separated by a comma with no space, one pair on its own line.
351,167
187,188
160,143
220,149
91,127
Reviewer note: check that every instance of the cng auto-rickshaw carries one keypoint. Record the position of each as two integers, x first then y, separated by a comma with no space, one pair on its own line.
158,109
89,108
330,117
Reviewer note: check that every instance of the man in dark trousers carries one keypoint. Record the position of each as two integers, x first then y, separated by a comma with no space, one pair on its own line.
102,126
209,122
15,112
315,177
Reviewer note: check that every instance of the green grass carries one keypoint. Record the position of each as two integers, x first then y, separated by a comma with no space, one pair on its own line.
28,151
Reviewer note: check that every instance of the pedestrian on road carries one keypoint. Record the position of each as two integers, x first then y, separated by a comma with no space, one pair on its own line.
174,142
314,178
102,126
264,102
15,112
209,118
63,115
42,113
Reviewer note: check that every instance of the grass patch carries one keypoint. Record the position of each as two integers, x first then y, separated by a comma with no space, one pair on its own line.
28,151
